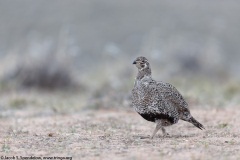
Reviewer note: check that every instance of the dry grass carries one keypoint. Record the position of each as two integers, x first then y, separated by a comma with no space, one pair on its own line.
116,134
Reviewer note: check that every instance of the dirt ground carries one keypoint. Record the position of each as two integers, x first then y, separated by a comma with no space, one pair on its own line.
117,134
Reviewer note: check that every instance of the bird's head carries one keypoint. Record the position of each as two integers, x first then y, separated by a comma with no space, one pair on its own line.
141,63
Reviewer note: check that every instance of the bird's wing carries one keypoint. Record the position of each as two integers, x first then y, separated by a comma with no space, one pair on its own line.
160,103
170,94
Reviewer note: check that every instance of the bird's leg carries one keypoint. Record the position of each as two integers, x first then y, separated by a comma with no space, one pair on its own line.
164,132
158,126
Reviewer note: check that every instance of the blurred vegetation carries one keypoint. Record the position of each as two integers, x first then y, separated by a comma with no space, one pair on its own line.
44,74
85,49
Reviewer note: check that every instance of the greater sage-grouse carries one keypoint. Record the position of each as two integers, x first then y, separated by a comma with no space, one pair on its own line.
158,102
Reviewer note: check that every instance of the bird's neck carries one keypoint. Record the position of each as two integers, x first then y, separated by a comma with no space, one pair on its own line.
144,72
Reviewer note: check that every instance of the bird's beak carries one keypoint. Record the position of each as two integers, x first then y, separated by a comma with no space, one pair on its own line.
134,62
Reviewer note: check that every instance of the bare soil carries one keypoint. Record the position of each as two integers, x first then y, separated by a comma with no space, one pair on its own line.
117,134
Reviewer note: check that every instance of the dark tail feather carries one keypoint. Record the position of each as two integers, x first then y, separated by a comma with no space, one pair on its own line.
196,123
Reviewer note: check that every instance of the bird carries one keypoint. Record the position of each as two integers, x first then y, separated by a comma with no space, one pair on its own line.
158,101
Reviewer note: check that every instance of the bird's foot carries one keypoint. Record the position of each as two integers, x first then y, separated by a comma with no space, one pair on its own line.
166,134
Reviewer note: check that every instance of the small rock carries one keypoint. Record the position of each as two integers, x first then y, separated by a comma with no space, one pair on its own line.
51,134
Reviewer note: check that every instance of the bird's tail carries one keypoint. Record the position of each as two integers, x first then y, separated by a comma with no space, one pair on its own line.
196,123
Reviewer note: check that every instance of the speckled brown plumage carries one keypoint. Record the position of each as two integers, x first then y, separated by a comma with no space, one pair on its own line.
158,102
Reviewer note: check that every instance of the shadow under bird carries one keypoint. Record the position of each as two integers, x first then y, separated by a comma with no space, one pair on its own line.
158,102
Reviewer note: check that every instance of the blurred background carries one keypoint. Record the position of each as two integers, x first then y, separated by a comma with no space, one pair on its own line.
69,55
